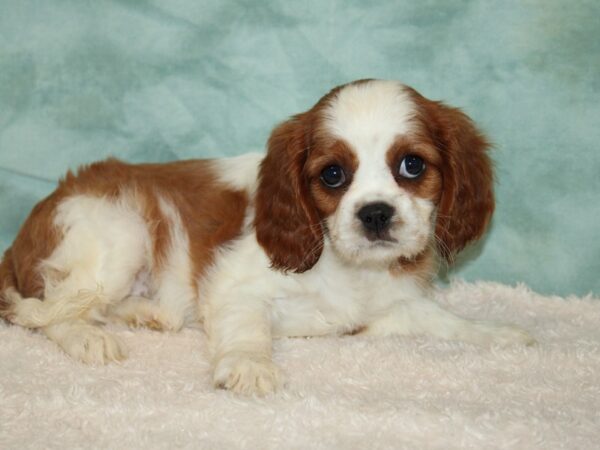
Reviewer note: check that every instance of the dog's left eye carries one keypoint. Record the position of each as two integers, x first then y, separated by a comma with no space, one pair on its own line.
411,166
333,176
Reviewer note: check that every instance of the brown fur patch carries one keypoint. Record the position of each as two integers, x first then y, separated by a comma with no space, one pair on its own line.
35,241
7,281
288,226
429,184
338,153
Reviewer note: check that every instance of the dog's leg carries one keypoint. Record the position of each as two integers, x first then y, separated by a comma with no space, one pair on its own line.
239,333
136,311
423,316
173,302
67,320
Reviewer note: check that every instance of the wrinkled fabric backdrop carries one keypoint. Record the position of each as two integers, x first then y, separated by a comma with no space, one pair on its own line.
156,81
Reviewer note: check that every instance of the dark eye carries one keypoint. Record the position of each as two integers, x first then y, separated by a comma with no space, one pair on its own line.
333,176
411,166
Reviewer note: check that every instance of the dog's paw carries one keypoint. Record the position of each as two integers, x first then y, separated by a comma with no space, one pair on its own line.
87,343
511,334
490,333
247,374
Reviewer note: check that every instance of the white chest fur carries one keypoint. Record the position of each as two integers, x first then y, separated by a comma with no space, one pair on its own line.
333,297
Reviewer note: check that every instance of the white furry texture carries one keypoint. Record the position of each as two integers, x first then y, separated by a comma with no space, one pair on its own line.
349,392
239,172
371,114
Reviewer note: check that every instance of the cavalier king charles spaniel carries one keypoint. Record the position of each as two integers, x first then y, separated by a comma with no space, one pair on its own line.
338,229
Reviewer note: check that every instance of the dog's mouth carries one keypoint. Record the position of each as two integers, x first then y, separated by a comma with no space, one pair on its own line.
380,237
359,245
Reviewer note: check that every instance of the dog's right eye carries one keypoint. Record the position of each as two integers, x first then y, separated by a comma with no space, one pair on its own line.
411,166
333,176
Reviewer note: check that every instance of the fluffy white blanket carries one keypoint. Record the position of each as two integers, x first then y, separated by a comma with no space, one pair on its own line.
350,392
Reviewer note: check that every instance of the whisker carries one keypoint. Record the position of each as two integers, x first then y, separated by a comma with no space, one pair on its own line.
311,253
445,249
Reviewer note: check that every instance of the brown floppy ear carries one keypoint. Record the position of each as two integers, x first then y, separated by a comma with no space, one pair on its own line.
467,200
287,223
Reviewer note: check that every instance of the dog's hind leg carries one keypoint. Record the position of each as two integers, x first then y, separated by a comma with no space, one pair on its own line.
104,246
172,302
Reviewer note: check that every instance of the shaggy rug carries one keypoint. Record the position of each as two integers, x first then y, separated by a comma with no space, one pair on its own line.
346,393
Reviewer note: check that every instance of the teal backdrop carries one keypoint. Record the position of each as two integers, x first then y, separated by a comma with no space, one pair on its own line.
162,80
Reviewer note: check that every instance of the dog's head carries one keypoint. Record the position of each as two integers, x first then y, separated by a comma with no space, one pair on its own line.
380,172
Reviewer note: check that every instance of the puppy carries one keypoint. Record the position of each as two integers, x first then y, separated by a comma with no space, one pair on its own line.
338,229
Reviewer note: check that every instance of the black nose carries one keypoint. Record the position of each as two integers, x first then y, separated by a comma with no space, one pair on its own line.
376,216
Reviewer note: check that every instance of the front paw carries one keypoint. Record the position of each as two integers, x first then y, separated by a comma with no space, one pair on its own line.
503,335
512,334
247,374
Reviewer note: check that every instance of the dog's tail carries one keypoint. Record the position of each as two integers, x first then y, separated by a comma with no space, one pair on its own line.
32,312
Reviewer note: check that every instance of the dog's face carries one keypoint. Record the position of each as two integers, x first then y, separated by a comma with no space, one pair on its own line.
374,183
380,172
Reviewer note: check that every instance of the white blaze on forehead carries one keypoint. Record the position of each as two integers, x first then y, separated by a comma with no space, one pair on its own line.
370,115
